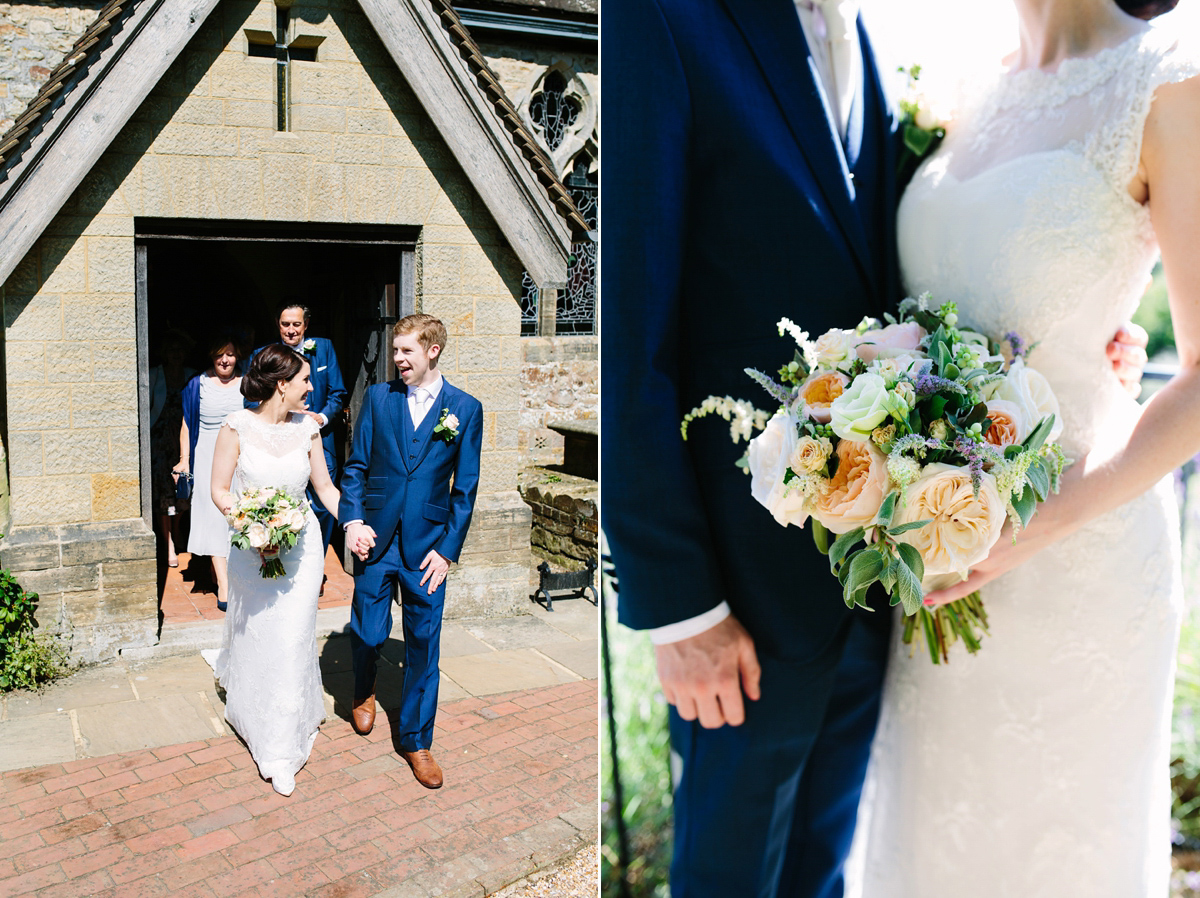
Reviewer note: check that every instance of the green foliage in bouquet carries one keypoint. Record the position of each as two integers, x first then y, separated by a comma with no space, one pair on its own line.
271,518
25,660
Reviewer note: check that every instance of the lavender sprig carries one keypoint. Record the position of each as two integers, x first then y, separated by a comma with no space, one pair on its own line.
928,384
763,380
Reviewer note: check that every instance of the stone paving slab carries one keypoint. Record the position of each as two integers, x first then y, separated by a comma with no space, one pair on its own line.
580,657
196,819
514,632
40,739
162,720
505,671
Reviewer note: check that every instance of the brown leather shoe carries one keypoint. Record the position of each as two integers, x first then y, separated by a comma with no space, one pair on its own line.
424,767
362,715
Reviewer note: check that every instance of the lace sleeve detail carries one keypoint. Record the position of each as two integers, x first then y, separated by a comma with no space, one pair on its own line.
1163,58
237,421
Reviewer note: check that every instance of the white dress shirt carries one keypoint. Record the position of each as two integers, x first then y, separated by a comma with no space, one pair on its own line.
838,59
430,392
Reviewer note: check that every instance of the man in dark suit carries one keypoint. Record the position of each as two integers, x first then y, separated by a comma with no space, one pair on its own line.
407,499
754,178
328,395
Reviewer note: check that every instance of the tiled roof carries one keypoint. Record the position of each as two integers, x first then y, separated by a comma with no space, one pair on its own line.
90,44
526,143
41,107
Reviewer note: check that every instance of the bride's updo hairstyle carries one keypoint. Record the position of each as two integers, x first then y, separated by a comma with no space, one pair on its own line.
273,363
1147,9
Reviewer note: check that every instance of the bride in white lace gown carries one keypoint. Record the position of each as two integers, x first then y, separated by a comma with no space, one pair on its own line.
268,661
1039,767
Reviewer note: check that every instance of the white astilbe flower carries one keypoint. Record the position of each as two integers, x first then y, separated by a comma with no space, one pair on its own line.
1010,475
787,326
743,417
902,470
809,485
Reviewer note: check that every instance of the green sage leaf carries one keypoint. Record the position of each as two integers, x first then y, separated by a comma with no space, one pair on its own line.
912,560
820,536
904,528
1025,505
842,545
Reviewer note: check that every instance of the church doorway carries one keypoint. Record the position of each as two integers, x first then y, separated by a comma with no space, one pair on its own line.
207,279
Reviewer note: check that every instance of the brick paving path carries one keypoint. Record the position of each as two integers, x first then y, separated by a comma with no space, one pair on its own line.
196,820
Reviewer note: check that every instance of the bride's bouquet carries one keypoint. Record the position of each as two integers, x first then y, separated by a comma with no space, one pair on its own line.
908,444
268,520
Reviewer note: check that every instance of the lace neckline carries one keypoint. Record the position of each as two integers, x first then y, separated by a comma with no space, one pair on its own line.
1074,76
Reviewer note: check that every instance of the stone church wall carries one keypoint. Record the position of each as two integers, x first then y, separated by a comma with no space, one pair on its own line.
203,145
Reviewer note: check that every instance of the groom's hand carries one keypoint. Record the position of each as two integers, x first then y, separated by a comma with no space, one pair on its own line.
704,676
1127,352
361,538
435,568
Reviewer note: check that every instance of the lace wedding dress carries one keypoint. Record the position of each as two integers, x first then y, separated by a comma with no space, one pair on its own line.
1039,767
268,660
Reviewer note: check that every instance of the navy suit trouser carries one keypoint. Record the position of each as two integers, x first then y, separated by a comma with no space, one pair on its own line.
325,518
767,809
371,623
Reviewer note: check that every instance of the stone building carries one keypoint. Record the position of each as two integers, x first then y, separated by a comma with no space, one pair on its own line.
188,163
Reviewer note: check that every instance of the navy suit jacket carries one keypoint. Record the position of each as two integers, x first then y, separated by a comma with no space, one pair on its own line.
329,392
725,208
400,478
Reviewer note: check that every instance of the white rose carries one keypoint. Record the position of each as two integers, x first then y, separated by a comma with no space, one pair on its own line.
835,347
296,520
450,422
860,409
770,452
962,526
1031,391
258,535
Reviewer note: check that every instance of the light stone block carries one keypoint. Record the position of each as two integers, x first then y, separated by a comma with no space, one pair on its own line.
478,353
115,496
154,195
413,194
32,318
250,114
192,192
247,78
498,471
25,454
107,405
369,121
507,671
311,144
370,192
508,428
98,195
317,83
25,277
51,500
64,264
306,117
196,140
110,226
110,265
25,363
397,151
114,361
132,726
76,451
441,269
501,317
328,198
93,317
68,363
237,185
34,741
359,149
38,408
456,312
497,392
285,183
124,451
197,110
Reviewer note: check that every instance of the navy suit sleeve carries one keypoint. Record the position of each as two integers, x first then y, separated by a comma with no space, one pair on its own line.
466,484
654,518
335,389
354,477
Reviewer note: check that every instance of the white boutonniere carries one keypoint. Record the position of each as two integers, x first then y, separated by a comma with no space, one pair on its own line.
446,428
310,345
922,124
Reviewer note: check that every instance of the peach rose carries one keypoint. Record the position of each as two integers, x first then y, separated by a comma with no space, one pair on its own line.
897,337
856,490
818,392
962,527
1010,425
769,454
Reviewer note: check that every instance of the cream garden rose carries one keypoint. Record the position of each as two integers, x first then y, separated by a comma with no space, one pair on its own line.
820,391
769,455
835,348
962,526
856,489
258,535
810,455
861,408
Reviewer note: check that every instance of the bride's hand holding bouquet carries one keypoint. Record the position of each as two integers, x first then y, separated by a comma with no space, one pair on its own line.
910,445
268,520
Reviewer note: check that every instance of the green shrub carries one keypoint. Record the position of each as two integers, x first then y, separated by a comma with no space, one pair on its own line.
1154,315
25,660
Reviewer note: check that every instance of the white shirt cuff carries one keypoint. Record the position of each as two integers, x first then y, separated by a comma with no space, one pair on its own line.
346,526
686,629
324,420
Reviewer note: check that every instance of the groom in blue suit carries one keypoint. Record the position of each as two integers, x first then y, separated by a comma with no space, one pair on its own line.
754,180
327,398
407,497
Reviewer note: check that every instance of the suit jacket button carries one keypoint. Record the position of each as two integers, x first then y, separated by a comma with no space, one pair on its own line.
412,456
414,439
410,480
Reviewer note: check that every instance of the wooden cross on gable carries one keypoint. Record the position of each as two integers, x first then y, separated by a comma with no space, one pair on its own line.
302,48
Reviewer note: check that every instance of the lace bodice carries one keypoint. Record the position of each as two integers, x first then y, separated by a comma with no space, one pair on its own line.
1025,219
273,454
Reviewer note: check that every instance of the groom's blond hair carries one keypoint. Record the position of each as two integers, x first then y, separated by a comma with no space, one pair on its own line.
429,330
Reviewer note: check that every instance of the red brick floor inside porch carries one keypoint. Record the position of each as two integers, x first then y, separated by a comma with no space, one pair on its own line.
189,594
